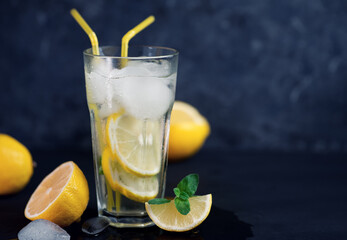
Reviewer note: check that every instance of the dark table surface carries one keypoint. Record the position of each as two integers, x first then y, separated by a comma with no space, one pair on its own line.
255,195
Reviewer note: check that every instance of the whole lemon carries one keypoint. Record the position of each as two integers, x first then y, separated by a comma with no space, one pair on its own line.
16,165
188,131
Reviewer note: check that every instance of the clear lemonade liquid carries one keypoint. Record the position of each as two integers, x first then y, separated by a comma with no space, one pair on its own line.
129,110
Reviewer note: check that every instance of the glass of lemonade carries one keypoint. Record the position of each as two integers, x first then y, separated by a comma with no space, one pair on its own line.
130,101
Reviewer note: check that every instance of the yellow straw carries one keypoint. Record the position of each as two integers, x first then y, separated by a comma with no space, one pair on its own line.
95,47
124,53
87,29
129,35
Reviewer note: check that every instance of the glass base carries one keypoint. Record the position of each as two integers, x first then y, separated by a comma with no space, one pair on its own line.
128,221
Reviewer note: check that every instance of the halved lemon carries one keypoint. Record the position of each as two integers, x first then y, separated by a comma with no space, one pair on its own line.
135,143
61,197
168,218
140,189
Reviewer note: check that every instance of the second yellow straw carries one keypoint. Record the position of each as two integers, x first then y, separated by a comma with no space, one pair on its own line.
130,34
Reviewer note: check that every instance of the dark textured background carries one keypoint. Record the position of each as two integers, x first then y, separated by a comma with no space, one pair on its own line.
267,74
270,75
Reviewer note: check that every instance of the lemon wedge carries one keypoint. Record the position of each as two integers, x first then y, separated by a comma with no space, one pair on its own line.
168,218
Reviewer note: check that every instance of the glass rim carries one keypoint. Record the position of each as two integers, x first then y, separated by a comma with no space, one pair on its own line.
174,53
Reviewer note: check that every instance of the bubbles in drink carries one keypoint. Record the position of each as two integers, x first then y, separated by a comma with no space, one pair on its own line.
99,88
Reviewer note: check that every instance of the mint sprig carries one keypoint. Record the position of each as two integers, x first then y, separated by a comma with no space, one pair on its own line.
189,184
182,206
185,189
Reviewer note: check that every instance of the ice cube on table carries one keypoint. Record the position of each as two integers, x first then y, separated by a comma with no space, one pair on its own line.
99,88
42,230
145,97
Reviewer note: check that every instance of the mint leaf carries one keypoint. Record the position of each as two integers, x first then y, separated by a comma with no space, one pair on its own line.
183,206
101,172
158,201
183,196
189,184
177,191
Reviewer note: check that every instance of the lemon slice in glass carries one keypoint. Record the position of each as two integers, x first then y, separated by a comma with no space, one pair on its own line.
140,189
135,143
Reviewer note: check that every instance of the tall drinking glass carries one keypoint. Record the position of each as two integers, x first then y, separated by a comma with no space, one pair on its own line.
130,101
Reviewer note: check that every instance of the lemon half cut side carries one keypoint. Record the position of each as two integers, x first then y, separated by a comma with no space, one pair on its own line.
61,197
